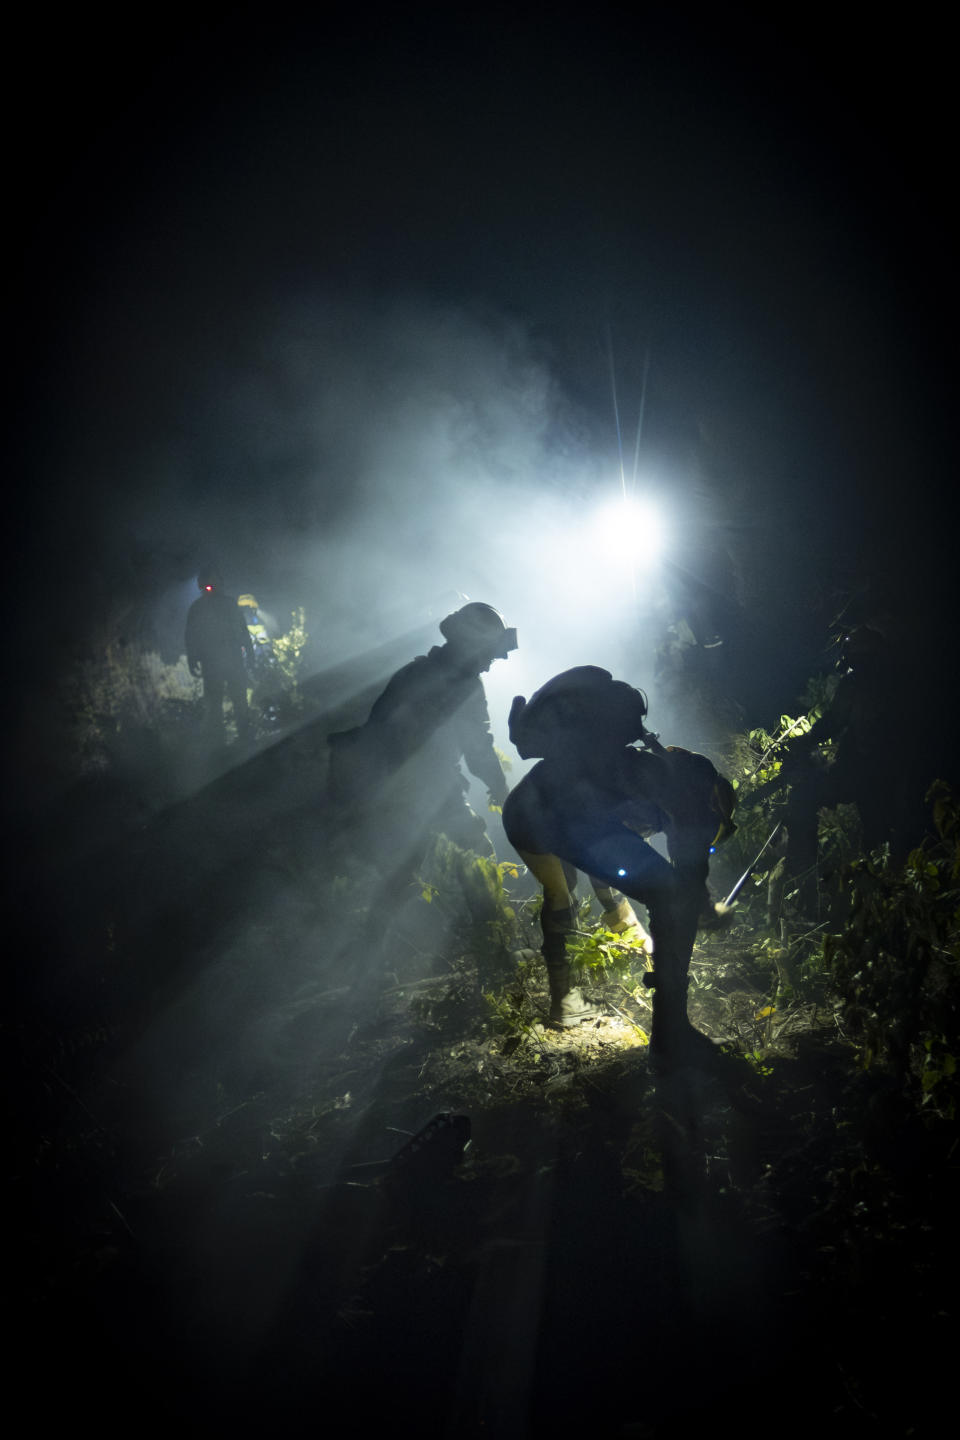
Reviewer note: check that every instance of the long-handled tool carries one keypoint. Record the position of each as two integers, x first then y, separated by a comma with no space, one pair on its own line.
750,868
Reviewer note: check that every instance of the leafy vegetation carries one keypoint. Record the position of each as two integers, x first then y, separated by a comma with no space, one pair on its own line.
473,887
896,962
118,696
126,707
597,954
288,649
799,1164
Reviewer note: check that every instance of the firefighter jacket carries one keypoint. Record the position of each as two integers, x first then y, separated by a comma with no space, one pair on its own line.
216,634
431,714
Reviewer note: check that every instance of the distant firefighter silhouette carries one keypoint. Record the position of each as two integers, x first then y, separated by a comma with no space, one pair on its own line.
592,802
217,641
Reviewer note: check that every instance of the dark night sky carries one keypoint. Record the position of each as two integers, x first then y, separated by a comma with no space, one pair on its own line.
223,217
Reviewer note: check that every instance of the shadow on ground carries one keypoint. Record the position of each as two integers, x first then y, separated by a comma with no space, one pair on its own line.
214,1230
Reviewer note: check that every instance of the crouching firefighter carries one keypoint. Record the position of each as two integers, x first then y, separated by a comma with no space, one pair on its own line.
592,802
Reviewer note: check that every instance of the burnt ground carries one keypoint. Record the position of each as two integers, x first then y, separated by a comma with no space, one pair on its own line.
219,1221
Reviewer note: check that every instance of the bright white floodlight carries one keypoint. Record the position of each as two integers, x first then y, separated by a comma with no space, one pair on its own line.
631,530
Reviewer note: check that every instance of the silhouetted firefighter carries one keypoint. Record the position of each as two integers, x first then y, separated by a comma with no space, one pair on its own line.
397,778
216,642
591,802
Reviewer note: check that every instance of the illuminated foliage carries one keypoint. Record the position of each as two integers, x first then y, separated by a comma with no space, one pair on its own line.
117,694
610,963
289,647
771,772
599,954
489,928
516,1007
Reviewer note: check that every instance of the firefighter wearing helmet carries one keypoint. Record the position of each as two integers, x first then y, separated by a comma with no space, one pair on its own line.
217,641
399,773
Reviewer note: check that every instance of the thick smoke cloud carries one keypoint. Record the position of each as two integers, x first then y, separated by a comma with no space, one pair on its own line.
371,458
374,461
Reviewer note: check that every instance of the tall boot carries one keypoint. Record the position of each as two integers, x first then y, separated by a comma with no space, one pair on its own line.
567,1004
673,1040
671,1025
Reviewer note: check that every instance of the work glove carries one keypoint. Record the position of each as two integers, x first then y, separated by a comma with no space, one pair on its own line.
716,917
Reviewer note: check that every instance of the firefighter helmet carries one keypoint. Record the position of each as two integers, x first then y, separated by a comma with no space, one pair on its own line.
477,629
251,618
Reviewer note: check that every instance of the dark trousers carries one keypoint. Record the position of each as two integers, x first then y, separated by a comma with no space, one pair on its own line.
215,682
